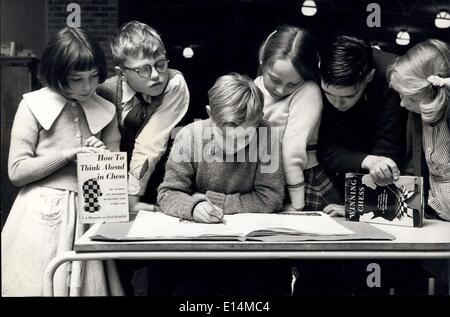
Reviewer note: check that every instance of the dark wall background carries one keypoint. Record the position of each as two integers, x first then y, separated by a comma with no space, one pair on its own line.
23,21
227,34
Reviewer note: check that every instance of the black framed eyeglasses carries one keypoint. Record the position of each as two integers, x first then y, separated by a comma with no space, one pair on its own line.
146,70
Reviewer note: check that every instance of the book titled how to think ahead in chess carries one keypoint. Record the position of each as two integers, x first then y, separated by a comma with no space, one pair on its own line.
400,203
102,187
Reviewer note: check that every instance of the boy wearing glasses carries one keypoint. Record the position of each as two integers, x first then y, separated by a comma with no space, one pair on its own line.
151,100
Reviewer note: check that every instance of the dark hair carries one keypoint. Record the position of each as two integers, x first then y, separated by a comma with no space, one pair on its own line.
296,44
346,61
71,49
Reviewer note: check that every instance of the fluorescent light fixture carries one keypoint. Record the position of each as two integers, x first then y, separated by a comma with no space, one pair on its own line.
442,20
309,8
403,38
188,52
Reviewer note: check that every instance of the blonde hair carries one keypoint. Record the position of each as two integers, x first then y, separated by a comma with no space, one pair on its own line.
235,99
136,39
409,77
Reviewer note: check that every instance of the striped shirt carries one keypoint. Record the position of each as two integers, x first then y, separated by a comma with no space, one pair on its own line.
436,143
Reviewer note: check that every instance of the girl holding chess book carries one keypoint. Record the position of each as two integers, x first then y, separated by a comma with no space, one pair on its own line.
52,125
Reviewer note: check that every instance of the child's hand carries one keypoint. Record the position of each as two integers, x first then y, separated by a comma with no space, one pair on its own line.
199,195
71,154
205,212
334,210
94,142
135,204
383,170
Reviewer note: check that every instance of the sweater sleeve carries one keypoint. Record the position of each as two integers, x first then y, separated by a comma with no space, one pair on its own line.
333,156
304,117
175,193
23,165
111,135
267,194
108,89
152,141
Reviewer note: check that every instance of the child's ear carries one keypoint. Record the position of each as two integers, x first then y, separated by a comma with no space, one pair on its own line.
370,76
208,110
119,72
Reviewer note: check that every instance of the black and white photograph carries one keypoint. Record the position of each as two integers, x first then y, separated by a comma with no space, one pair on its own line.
242,151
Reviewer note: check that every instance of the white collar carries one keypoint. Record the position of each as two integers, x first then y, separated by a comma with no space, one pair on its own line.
128,93
46,105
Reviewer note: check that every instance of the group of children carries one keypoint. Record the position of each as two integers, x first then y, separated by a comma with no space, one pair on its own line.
263,146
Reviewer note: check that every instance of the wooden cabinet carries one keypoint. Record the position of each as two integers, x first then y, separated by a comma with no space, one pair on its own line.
18,76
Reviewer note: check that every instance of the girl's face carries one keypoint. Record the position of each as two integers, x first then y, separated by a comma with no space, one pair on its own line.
410,103
82,84
281,79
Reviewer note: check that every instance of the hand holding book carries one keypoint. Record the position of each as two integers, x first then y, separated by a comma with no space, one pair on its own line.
91,145
95,143
383,170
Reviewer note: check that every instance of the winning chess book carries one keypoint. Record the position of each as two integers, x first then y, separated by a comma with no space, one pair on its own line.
400,203
102,187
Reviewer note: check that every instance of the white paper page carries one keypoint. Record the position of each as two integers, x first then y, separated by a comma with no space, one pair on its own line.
155,225
311,223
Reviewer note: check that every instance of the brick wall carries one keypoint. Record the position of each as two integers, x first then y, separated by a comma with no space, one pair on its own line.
99,17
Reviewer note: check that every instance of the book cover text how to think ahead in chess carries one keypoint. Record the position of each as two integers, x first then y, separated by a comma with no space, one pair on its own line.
102,187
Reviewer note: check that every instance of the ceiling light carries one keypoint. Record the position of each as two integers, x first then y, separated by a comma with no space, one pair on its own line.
309,8
403,38
442,20
188,52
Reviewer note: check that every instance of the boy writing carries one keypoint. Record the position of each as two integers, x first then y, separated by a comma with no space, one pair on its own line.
229,163
234,173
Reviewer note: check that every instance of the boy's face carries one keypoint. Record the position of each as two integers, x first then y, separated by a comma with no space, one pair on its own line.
232,138
343,98
154,84
82,84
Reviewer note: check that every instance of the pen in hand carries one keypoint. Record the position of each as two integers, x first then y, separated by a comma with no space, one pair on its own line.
222,219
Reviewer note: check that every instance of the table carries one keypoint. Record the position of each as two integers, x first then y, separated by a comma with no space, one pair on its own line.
432,241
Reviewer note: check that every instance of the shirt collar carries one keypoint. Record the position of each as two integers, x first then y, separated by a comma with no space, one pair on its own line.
46,105
128,93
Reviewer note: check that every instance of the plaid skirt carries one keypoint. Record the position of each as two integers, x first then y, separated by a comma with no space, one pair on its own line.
319,190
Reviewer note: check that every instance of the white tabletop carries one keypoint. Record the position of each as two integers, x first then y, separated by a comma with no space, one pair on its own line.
433,236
